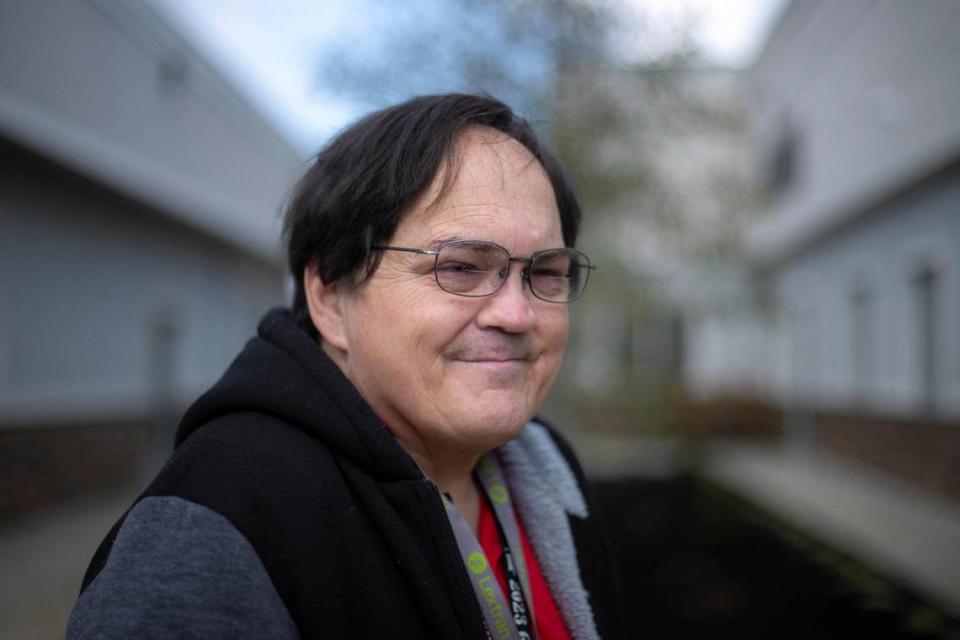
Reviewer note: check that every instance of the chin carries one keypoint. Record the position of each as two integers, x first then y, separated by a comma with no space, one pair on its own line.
495,426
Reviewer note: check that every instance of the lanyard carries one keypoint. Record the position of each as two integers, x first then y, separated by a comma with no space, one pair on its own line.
507,619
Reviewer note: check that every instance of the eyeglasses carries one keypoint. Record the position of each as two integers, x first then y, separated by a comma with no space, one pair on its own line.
475,268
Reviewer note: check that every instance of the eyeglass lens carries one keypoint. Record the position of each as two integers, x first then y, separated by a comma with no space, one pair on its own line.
472,268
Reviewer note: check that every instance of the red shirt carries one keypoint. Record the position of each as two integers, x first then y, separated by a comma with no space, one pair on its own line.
550,625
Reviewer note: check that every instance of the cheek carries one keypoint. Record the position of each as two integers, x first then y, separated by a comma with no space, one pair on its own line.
448,319
556,330
425,327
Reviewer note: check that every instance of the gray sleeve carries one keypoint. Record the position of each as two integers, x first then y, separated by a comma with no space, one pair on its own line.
180,570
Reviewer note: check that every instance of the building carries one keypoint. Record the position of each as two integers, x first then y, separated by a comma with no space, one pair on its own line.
139,216
850,310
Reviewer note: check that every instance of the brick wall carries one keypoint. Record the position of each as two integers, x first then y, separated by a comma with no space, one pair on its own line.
925,453
42,466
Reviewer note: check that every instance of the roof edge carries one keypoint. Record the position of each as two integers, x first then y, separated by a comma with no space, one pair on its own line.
135,177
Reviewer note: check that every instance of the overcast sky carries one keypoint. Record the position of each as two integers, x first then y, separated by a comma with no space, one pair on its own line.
270,48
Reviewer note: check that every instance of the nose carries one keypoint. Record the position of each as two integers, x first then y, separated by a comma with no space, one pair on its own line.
510,308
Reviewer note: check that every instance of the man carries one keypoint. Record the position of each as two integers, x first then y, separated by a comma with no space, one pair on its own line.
370,466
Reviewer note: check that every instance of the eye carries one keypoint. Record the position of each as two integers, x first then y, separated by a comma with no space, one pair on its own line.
550,272
553,265
451,266
462,277
470,256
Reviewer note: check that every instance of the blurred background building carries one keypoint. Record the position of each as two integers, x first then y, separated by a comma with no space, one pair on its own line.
669,179
849,314
139,218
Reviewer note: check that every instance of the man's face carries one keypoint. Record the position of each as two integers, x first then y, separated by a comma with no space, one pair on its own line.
446,371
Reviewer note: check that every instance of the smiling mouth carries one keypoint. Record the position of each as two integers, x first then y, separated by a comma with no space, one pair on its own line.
498,357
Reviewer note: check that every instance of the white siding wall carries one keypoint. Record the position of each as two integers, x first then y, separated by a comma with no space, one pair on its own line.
84,278
819,348
136,185
871,91
882,258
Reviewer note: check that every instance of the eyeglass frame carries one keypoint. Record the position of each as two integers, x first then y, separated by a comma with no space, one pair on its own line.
524,273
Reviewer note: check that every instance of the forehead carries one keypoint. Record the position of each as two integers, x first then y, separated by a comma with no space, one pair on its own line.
492,189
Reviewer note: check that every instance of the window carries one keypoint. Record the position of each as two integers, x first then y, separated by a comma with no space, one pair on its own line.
926,284
862,344
782,168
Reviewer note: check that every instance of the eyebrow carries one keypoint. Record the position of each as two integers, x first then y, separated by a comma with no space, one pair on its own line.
436,244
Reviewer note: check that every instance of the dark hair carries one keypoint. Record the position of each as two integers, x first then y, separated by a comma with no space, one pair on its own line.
363,182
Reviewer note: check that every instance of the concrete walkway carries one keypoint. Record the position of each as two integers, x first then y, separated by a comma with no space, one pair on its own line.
42,561
892,527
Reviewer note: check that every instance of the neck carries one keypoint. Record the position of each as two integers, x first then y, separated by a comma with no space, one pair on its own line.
454,476
450,469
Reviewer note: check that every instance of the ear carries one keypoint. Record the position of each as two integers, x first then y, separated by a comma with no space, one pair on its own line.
325,303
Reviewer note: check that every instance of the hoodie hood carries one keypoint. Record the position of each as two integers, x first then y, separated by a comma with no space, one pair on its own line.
284,373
